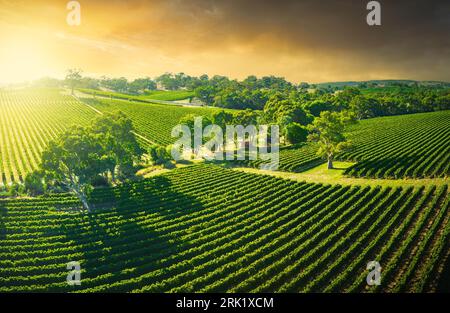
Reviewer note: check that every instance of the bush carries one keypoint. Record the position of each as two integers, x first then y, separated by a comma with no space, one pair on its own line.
159,154
296,133
100,181
34,184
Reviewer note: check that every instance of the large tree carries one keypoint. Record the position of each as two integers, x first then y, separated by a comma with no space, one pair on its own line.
328,131
82,154
116,133
74,160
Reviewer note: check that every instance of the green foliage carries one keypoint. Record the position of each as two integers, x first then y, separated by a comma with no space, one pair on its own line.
73,78
153,121
407,146
296,133
190,231
159,155
144,96
318,106
328,131
29,118
81,154
34,183
414,145
115,131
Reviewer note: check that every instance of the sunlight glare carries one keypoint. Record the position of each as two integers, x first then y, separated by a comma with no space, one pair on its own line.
22,60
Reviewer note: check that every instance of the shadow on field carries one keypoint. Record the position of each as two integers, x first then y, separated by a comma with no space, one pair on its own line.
3,213
131,230
443,284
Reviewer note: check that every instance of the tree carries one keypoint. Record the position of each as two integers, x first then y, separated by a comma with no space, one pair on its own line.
122,151
317,106
74,160
73,78
34,184
364,107
222,118
81,154
140,85
205,94
327,130
296,133
159,155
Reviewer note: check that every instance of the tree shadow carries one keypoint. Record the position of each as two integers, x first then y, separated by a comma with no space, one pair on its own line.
443,282
124,237
3,214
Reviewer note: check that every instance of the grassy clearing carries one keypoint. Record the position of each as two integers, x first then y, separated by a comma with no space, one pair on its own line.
321,174
173,95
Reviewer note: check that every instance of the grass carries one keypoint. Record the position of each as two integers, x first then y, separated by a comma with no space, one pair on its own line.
320,174
172,95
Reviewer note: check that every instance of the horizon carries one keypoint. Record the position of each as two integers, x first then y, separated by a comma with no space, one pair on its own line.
99,77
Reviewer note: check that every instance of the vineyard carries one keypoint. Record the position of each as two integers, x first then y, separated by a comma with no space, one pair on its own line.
298,159
415,146
206,228
174,95
28,120
155,121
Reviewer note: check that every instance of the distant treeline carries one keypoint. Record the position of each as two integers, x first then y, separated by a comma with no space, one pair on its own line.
365,99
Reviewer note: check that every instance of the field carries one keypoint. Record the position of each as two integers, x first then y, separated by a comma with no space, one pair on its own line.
211,229
416,145
28,120
205,228
407,146
411,146
174,95
295,159
154,121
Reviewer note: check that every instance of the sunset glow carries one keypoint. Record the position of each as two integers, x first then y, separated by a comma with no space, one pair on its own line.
300,40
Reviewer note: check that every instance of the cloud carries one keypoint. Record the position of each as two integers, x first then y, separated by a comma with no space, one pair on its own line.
309,40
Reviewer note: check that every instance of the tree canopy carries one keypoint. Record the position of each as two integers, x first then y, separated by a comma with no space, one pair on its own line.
107,148
328,131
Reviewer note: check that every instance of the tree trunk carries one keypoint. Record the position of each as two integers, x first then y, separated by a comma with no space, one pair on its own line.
85,203
113,175
330,163
82,196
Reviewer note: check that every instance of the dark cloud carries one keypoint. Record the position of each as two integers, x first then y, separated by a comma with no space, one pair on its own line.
301,39
414,35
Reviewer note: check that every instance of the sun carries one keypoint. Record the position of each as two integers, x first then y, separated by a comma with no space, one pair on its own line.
23,60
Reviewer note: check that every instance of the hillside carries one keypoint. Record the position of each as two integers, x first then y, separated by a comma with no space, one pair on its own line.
29,118
204,228
415,145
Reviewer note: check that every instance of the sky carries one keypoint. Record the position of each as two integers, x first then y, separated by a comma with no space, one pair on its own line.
301,40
